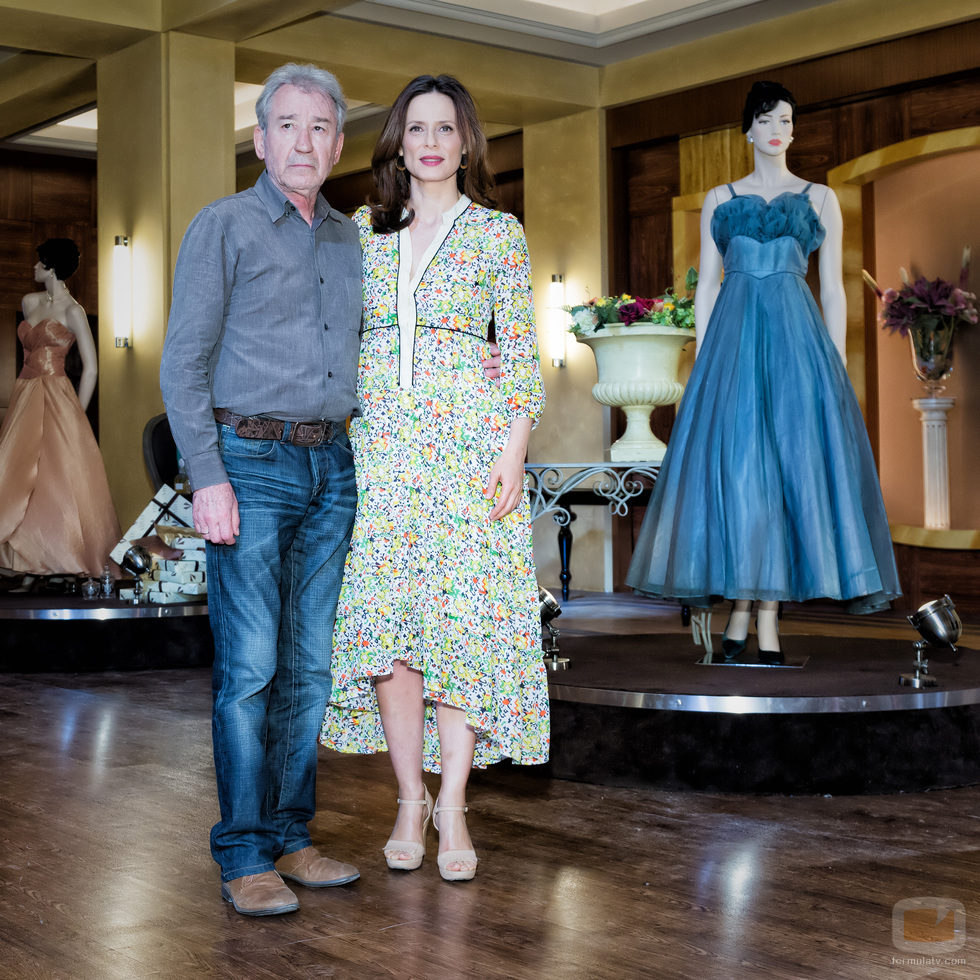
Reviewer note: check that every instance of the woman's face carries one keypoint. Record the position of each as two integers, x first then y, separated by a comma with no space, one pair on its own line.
432,146
772,131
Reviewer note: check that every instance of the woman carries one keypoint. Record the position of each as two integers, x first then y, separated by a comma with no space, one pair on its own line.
768,490
56,513
437,653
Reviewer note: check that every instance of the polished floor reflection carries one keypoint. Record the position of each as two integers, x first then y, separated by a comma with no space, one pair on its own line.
106,798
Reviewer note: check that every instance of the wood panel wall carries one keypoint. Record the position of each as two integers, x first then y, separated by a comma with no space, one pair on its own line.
849,104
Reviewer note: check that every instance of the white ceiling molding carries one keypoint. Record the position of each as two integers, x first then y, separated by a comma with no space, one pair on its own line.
555,30
593,24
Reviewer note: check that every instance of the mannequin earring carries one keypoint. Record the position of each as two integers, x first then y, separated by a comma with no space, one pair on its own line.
751,139
400,163
463,162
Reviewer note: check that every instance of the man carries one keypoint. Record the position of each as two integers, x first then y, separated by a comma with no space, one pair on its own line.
258,377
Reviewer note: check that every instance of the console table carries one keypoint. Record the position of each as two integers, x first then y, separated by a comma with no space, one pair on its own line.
555,487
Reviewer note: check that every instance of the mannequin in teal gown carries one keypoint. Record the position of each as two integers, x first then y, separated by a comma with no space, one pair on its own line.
768,491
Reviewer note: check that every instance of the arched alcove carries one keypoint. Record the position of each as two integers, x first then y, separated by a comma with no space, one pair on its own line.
913,204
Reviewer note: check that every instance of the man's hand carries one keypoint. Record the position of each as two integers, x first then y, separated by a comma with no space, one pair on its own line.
216,513
491,366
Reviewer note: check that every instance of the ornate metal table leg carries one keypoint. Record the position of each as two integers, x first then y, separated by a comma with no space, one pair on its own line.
565,554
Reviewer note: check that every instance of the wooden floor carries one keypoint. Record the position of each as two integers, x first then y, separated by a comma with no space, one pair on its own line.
107,796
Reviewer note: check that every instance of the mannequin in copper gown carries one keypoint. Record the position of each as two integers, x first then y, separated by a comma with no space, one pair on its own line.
56,512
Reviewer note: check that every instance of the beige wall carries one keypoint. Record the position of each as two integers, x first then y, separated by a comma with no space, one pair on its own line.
564,211
165,106
924,214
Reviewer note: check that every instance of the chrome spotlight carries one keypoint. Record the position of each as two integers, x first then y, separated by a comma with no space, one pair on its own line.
137,561
550,610
939,625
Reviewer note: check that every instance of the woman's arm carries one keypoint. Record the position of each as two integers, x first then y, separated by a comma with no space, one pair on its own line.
520,373
77,323
513,315
709,271
832,297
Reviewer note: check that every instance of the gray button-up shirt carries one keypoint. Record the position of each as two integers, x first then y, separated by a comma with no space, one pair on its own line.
265,320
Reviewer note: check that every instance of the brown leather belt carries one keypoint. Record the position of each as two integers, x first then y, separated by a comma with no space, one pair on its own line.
263,427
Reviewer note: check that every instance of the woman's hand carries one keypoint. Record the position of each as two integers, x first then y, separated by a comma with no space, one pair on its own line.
508,471
508,474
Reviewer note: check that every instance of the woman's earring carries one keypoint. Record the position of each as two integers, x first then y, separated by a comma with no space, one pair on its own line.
463,162
400,163
789,139
751,139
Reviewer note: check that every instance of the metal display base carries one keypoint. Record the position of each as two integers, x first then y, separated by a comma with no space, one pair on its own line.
718,660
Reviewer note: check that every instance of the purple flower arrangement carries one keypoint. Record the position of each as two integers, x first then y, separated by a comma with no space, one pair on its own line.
928,311
926,305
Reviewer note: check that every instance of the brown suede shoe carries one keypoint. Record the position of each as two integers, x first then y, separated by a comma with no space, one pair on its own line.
261,894
307,867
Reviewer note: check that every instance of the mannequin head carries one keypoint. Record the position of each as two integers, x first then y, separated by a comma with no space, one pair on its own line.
763,97
60,255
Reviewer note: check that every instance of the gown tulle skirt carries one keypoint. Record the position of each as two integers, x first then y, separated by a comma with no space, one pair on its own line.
56,511
768,489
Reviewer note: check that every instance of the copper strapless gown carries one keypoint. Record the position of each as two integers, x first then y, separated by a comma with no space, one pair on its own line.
56,512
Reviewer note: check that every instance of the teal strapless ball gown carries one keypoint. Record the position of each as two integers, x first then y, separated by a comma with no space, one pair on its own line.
768,489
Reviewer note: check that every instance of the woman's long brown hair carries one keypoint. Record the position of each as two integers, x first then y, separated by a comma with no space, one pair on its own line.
393,186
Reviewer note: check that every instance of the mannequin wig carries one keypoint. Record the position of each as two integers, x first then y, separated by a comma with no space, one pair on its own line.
59,254
763,97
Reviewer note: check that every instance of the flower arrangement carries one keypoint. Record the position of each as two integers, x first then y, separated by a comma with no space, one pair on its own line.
928,311
619,311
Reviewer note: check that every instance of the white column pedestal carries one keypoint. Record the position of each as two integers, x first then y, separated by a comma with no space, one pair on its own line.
935,463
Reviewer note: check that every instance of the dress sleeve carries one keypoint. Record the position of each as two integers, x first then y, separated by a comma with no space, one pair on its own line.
513,313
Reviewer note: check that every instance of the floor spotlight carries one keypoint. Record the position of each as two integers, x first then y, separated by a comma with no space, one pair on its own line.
550,610
939,625
137,561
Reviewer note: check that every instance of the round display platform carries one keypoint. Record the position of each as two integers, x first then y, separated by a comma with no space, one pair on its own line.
640,710
67,633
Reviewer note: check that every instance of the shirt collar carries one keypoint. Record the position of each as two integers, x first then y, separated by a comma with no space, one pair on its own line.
278,205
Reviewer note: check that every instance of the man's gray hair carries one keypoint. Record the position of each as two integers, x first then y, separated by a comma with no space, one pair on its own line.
307,78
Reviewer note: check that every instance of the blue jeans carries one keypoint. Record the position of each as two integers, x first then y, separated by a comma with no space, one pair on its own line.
272,598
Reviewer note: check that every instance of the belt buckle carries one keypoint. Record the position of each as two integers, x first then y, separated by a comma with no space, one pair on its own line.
316,433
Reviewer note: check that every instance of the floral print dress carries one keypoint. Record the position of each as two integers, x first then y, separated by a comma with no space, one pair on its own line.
430,580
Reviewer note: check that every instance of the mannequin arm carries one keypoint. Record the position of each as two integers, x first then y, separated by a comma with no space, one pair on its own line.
709,271
832,297
78,324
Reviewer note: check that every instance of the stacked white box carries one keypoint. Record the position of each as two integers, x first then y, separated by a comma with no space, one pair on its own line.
169,516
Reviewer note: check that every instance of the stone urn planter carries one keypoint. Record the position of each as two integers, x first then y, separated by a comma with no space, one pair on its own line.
637,367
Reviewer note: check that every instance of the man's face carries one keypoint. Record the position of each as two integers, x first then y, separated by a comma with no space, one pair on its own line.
301,144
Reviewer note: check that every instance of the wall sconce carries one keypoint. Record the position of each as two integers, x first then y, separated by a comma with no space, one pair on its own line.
557,321
122,291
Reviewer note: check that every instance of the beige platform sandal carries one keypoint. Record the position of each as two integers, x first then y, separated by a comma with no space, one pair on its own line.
454,857
413,848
